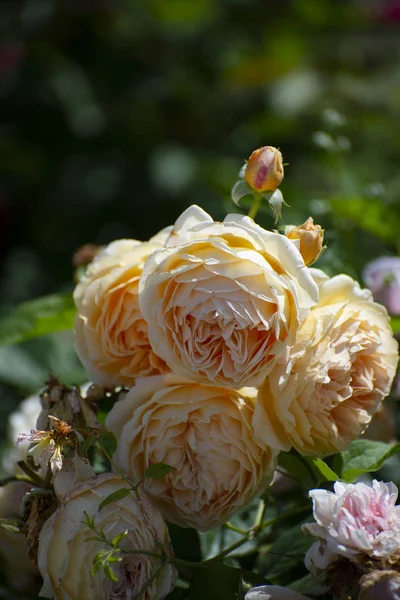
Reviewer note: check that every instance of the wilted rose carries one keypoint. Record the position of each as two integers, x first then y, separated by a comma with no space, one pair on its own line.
65,556
382,276
354,520
110,332
22,419
339,371
223,301
205,433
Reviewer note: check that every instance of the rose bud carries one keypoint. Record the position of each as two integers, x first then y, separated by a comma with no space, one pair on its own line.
311,239
264,169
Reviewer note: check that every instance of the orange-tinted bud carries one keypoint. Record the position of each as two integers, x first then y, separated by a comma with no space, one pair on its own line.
311,238
264,169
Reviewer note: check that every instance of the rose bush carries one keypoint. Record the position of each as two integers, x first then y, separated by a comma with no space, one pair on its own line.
338,372
110,332
205,433
223,301
65,555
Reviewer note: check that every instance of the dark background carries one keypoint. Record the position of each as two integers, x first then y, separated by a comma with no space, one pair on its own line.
117,115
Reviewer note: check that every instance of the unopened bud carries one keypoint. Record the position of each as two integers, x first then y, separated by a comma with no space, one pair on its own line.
264,169
311,238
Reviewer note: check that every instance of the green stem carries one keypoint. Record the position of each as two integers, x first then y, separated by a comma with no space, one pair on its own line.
291,513
234,528
188,564
262,507
255,530
12,478
34,477
256,205
144,552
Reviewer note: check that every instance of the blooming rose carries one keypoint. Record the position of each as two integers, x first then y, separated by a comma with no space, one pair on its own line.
205,433
339,371
224,300
353,520
383,277
110,332
65,556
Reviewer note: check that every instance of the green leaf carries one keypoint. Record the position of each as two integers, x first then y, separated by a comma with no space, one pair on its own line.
285,554
89,521
216,582
320,469
11,525
395,323
158,471
115,541
239,190
185,542
87,443
109,442
114,497
298,468
114,558
309,584
96,567
36,318
110,573
362,456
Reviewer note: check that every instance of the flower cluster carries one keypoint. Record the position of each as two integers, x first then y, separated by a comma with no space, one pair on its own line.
233,349
222,347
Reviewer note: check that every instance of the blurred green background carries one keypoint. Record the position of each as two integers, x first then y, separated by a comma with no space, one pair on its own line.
118,114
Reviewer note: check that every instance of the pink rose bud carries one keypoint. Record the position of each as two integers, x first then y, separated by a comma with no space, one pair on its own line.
311,238
264,169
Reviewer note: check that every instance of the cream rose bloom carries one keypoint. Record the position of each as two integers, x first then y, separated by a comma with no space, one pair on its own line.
110,333
339,371
65,558
223,301
205,433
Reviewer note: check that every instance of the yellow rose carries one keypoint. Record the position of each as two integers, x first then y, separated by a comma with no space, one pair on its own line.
65,555
204,432
223,301
110,332
339,371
